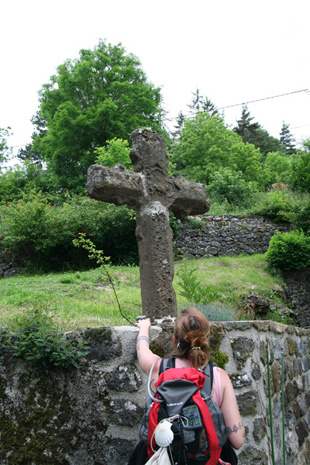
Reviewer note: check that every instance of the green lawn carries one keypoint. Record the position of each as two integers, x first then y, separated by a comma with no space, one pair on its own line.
81,299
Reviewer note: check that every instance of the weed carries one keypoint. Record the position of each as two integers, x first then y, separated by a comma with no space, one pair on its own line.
192,289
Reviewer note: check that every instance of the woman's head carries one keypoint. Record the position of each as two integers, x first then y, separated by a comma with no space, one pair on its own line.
191,332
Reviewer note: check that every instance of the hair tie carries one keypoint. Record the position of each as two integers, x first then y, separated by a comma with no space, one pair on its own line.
196,348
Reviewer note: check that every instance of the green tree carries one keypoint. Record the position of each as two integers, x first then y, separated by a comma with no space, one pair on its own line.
206,145
201,103
301,171
99,96
4,149
287,141
116,151
278,168
253,133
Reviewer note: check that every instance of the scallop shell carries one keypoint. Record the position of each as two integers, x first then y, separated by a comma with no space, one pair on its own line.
163,434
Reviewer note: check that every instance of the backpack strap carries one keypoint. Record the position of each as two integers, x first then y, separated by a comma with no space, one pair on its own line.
208,372
165,364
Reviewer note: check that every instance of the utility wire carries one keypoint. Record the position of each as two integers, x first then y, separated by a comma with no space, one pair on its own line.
262,99
229,106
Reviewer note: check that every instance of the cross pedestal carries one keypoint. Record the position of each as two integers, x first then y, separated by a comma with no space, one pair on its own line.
153,193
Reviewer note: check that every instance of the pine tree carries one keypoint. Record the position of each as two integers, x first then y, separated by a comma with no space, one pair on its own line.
287,141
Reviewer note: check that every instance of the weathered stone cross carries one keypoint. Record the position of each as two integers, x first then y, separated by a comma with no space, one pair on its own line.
153,193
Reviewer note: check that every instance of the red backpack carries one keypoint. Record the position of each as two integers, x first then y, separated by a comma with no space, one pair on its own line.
183,396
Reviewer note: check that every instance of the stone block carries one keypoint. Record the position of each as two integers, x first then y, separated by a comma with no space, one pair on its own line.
247,403
242,349
125,378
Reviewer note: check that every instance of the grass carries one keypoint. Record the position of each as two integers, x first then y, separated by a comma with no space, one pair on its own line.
83,299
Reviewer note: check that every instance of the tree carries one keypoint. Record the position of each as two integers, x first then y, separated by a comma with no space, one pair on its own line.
287,141
116,151
200,103
254,134
278,168
104,94
206,145
4,149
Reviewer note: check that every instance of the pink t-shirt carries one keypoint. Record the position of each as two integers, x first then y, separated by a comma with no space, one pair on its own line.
216,392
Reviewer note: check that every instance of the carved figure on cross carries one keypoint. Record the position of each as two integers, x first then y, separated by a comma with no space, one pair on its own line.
153,193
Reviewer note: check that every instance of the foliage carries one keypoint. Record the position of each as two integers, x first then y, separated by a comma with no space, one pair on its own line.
300,215
253,133
36,339
192,289
200,103
301,172
278,168
104,94
287,142
283,317
217,312
289,251
116,151
4,149
229,185
24,181
276,205
102,261
40,233
205,145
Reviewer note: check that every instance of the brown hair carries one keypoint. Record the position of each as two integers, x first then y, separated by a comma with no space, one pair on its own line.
191,332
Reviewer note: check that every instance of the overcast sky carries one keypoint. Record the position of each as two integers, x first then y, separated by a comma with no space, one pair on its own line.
232,51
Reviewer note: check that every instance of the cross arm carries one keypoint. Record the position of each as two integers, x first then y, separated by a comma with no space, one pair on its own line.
189,198
114,185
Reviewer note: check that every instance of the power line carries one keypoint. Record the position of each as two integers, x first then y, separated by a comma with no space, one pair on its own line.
262,99
230,106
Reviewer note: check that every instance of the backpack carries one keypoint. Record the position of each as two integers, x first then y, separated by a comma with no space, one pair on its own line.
183,395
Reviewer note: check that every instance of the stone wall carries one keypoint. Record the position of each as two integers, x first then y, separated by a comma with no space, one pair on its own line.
225,235
298,291
91,416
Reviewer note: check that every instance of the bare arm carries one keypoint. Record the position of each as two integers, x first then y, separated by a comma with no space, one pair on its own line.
146,357
235,429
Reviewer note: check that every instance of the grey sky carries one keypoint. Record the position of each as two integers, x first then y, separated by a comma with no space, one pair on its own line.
232,51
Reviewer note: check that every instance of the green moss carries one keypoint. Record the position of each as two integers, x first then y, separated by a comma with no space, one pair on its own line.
98,335
220,358
216,336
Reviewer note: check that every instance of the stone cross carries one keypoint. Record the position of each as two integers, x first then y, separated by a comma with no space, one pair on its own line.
153,193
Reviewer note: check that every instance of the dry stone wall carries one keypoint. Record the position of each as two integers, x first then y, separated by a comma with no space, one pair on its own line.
212,235
91,416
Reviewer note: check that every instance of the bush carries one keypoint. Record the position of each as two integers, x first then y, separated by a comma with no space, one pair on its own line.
301,216
228,185
276,205
301,172
40,234
289,251
36,339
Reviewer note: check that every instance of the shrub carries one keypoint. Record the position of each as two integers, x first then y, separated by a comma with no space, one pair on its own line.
301,172
289,251
217,312
228,185
276,205
300,216
40,233
36,339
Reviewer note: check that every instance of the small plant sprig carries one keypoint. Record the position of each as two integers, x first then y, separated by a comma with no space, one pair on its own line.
192,289
102,261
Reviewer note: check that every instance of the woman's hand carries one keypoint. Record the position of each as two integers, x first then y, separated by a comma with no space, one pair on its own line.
144,325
